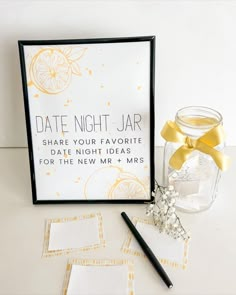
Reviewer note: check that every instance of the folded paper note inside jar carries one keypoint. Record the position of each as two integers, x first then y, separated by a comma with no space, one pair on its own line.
168,250
64,235
99,277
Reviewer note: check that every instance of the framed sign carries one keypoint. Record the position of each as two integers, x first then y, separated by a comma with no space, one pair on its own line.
89,108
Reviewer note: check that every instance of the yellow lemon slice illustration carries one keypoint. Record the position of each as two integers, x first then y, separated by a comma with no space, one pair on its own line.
100,182
128,189
50,71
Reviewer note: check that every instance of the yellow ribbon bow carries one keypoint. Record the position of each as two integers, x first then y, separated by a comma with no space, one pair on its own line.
205,144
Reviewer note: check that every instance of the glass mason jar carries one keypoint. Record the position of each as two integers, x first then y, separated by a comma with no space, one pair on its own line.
197,180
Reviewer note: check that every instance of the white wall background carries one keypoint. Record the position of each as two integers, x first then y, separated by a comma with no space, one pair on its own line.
195,54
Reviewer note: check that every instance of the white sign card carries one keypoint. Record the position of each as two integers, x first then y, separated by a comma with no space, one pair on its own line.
98,277
72,234
169,251
90,118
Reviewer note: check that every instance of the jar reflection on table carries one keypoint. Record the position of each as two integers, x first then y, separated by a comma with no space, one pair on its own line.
197,180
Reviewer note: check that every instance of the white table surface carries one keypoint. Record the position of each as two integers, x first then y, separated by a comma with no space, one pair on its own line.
212,253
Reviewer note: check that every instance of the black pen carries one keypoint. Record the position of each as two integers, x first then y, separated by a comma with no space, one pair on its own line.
148,251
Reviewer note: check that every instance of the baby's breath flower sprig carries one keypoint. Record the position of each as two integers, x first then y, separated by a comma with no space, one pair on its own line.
162,209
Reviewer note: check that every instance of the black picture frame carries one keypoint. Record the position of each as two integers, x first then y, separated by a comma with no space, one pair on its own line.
23,44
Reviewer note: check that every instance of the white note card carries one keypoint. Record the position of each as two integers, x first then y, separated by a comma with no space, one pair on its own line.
167,249
73,234
100,278
64,235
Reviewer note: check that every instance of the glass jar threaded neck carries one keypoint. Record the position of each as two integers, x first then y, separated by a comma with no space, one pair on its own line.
194,121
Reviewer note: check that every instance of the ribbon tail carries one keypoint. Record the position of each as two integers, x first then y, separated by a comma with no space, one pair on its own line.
179,157
171,132
222,161
213,137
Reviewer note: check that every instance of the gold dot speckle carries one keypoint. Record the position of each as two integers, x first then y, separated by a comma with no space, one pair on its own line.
101,86
139,87
108,103
48,173
67,102
58,194
77,180
36,96
90,72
